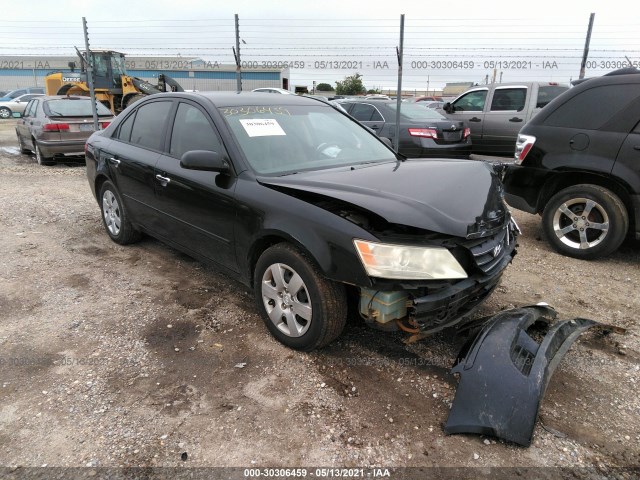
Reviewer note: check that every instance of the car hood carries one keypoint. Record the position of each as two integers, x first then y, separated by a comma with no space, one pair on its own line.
455,197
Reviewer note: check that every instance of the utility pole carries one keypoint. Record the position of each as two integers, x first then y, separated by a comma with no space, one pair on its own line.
586,46
399,52
92,90
237,55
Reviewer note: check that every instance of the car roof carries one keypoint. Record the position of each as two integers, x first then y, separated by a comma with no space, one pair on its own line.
234,99
64,97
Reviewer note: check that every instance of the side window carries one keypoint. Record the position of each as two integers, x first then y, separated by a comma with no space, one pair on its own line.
27,108
148,127
547,93
363,112
508,99
124,132
471,102
32,108
594,107
192,131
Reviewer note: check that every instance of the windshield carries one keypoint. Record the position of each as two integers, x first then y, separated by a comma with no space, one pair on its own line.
417,111
281,140
64,107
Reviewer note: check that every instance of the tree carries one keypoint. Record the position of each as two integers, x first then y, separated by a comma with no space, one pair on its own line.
324,87
351,85
373,92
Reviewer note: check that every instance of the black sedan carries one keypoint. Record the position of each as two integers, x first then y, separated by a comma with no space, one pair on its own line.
424,132
296,199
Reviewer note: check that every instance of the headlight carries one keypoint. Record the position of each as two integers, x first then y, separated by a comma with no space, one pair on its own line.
408,263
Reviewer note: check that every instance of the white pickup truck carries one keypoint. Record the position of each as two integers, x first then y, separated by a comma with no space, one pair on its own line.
496,112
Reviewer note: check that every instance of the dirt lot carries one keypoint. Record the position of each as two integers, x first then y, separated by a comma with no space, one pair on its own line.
131,356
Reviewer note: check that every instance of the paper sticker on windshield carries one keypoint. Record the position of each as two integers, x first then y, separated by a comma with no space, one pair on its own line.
262,127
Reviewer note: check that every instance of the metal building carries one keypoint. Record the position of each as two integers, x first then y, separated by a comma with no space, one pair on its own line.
17,71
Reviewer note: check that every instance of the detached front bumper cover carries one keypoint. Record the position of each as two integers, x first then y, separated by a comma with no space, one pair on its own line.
504,373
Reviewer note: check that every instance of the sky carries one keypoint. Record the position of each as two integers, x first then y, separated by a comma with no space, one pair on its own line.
464,41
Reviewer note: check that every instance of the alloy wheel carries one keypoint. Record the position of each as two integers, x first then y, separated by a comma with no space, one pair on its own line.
111,212
581,223
286,300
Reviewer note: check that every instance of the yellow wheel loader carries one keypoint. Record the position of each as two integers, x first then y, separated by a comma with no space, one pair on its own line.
114,87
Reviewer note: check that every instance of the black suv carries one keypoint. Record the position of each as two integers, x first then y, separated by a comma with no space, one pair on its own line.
578,164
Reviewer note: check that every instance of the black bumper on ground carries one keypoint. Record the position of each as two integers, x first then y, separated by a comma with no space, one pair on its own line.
504,373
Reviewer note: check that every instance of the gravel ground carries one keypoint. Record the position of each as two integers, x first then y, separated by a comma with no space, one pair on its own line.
141,356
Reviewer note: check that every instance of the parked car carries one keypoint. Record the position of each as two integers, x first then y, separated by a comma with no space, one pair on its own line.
21,91
291,196
496,112
377,96
17,105
424,98
273,90
578,165
436,105
423,132
58,126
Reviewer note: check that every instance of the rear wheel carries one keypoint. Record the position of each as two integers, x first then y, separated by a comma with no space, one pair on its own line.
300,307
132,99
585,221
42,160
114,216
5,112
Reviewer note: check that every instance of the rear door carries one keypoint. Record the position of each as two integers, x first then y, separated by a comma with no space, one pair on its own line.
197,208
368,115
132,156
470,107
505,117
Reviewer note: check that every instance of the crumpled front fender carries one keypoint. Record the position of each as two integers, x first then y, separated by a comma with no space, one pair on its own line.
504,373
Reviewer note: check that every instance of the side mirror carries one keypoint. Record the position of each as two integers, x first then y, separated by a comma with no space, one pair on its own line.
447,107
205,160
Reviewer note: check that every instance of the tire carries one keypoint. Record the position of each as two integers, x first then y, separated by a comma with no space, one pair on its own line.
23,149
133,99
114,216
596,234
5,112
40,158
314,315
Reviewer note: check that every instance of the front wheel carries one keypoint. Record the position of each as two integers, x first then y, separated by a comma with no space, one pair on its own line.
300,307
585,221
114,216
23,148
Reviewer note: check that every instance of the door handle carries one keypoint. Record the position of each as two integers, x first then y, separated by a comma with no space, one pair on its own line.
114,161
374,127
475,119
164,181
637,147
515,119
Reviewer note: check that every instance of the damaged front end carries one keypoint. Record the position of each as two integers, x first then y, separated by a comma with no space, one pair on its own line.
504,372
430,306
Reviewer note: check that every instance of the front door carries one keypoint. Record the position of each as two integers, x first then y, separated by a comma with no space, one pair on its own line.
470,108
198,208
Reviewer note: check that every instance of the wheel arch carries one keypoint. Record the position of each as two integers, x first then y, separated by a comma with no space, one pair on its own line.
261,244
564,180
99,181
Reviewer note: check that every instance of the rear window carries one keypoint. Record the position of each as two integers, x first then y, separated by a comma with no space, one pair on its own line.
593,108
64,107
548,93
